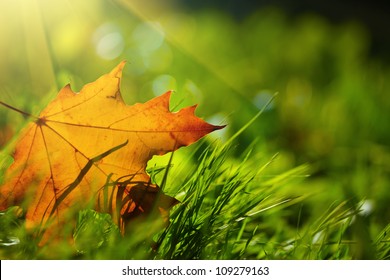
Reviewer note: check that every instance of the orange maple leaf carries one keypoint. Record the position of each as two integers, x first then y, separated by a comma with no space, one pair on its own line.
90,148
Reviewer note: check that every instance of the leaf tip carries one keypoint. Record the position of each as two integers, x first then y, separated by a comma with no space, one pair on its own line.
117,71
169,93
66,91
218,127
165,99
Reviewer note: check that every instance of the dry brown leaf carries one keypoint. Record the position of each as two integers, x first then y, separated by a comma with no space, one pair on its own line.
90,147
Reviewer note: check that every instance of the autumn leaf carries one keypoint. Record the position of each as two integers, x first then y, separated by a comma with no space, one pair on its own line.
90,149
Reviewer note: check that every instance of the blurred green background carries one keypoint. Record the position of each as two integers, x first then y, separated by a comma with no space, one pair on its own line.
332,79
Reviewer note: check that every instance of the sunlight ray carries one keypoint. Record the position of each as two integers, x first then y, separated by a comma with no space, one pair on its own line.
40,64
139,9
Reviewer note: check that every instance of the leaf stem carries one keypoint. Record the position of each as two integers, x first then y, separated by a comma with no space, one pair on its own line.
18,110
